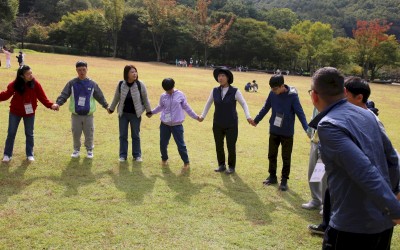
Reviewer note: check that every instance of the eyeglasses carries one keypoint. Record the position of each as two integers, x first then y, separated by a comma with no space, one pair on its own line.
309,91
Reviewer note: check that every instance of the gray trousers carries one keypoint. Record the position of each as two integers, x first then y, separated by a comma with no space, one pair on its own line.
82,123
317,188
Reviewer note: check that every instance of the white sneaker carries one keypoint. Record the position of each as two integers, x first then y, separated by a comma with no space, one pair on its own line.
122,159
6,158
310,205
75,154
138,159
31,158
89,154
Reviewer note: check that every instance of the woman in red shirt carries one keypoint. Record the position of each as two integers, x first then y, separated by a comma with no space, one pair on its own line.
25,92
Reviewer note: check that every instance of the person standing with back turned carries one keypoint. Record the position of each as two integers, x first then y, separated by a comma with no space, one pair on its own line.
361,165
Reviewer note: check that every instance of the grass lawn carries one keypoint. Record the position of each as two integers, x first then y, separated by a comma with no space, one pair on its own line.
60,203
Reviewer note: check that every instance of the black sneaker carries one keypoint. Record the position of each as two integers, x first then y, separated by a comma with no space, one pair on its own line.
221,168
270,180
230,171
283,186
316,229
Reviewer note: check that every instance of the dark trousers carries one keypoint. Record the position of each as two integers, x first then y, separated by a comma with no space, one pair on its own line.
231,135
334,239
287,147
326,217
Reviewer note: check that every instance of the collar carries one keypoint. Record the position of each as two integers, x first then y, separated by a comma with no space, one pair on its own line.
314,122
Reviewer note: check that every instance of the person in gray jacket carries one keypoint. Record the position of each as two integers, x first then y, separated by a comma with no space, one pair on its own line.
82,92
132,100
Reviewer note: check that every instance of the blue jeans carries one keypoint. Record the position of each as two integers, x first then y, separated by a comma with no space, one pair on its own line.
124,121
13,122
165,135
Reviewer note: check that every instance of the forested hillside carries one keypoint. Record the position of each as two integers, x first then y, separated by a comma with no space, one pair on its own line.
341,14
358,36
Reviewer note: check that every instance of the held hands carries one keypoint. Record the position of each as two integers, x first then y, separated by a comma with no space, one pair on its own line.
149,114
251,122
110,111
55,107
200,119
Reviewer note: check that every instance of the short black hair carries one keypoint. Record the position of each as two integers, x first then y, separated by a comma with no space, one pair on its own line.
355,85
328,82
276,81
81,64
168,84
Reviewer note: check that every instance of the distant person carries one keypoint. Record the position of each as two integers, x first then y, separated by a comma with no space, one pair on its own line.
8,57
132,100
225,123
362,168
82,92
254,86
172,105
25,91
247,87
285,104
20,58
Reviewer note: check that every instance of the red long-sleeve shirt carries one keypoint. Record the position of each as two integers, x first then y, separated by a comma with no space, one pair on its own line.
30,96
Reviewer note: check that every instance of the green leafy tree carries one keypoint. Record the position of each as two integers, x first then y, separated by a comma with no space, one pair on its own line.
287,47
8,10
85,30
314,36
37,34
114,14
281,18
249,42
337,53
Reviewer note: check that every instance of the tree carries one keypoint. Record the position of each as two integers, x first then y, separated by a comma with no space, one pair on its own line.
209,32
160,16
114,14
386,53
23,23
369,35
287,47
314,36
85,30
8,10
281,18
249,42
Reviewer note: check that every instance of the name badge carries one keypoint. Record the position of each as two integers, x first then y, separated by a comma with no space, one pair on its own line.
81,101
167,117
319,172
28,108
278,120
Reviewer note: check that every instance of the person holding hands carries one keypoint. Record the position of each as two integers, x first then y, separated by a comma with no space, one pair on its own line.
172,105
25,91
225,123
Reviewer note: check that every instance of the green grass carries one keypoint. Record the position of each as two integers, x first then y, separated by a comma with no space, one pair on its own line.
59,203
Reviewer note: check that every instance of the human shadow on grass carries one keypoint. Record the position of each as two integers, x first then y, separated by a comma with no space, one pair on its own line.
135,184
181,184
13,182
293,201
256,211
75,175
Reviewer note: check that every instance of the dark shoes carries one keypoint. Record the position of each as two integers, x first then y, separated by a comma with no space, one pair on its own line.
221,168
283,186
316,229
230,171
270,180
